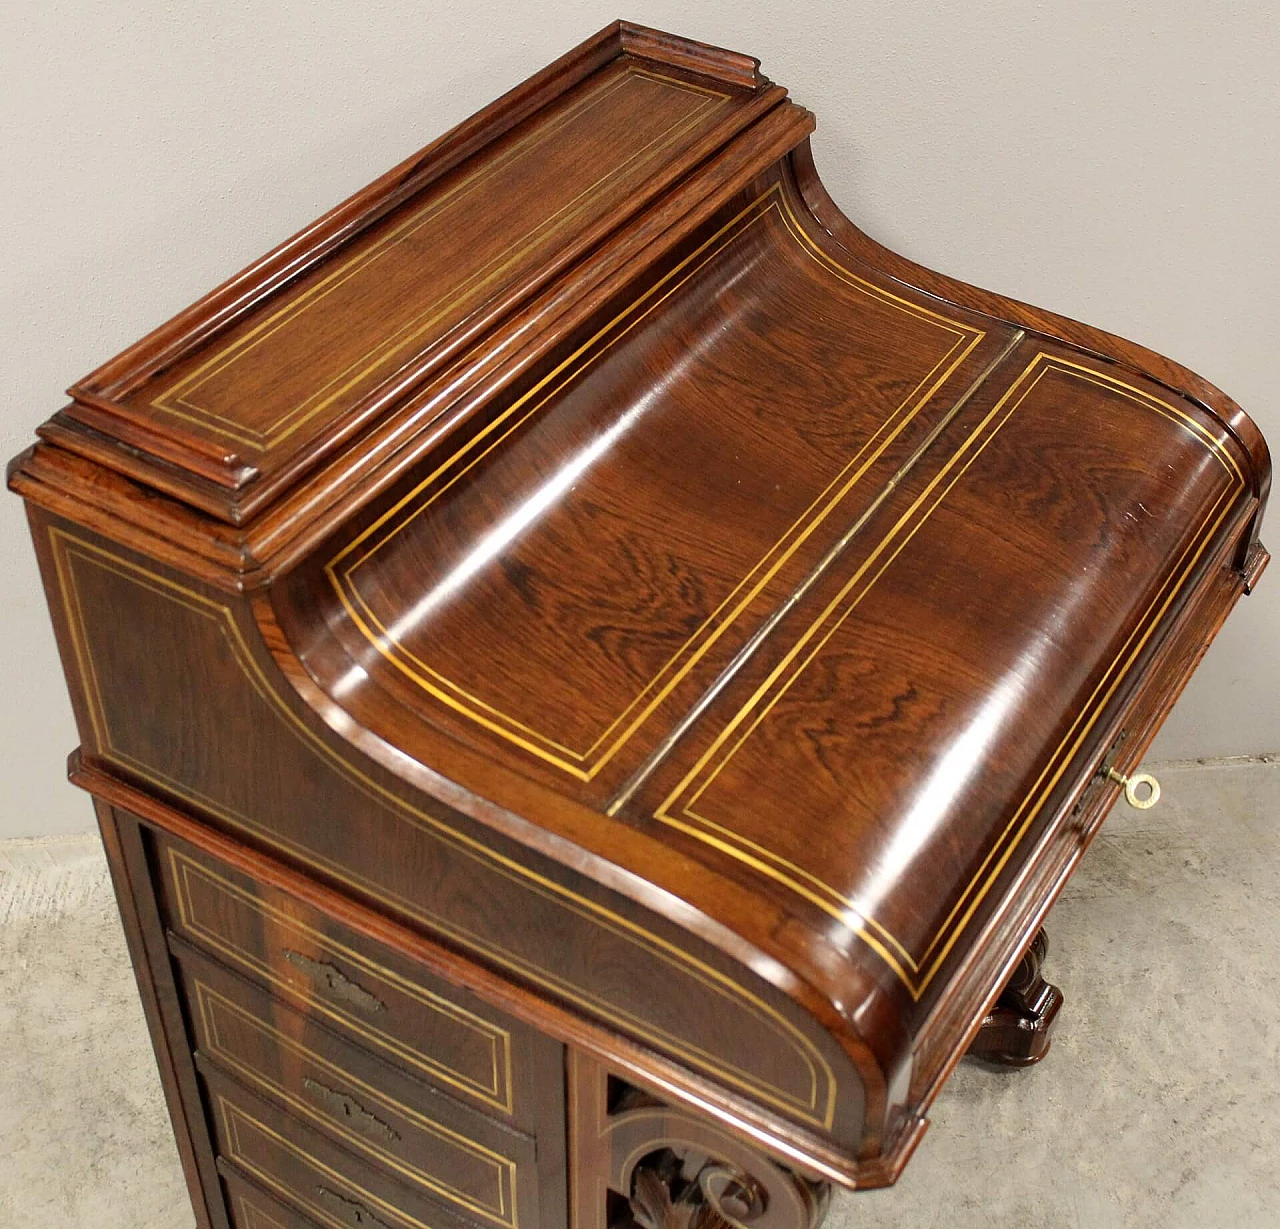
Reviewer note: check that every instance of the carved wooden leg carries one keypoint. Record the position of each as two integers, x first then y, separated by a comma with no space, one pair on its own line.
1016,1030
639,1164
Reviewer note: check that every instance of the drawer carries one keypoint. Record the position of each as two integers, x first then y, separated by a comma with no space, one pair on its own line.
477,1166
305,1170
248,1207
382,1000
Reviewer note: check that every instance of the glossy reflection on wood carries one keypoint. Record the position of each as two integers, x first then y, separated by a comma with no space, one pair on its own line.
1016,1031
581,643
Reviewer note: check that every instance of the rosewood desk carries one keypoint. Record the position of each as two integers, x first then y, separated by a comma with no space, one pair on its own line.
592,672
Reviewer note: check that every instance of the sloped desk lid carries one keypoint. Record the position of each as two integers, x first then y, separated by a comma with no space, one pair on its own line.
821,580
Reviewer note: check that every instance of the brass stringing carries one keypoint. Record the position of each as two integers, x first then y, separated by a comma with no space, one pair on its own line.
585,765
176,400
817,1107
911,970
503,1212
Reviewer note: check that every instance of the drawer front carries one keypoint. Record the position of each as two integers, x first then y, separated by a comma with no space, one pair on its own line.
250,1208
382,1000
331,1186
426,1138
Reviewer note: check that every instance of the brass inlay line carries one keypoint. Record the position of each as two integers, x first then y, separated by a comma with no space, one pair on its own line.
503,1212
817,1107
554,383
497,1093
820,569
232,1118
176,400
252,1216
911,971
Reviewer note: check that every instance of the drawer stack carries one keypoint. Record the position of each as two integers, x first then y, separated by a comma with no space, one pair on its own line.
345,1085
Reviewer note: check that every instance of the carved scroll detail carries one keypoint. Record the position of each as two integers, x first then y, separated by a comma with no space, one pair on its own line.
641,1164
716,1196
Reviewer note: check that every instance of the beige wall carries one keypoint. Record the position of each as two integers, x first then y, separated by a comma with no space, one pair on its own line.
1118,161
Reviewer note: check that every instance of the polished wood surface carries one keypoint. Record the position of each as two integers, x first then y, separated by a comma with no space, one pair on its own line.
582,643
886,775
475,1166
565,623
280,364
1017,1031
307,1169
364,990
253,1208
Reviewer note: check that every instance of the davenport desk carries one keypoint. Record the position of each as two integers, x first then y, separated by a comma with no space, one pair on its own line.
592,672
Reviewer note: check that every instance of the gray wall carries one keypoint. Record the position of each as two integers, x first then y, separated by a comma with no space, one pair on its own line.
1118,161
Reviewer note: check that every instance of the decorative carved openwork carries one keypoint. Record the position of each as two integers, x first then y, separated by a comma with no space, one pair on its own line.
642,1164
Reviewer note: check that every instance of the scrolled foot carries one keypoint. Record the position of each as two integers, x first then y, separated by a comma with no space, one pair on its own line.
1016,1031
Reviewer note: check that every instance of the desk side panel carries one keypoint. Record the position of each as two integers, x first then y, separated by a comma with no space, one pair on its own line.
178,700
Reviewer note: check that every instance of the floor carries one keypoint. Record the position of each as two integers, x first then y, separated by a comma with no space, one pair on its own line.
1157,1106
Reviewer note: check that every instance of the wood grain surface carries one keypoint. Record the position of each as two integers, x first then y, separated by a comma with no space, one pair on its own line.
581,644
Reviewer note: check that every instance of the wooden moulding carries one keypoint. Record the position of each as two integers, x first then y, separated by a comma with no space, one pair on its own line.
134,501
730,67
638,1062
179,516
106,422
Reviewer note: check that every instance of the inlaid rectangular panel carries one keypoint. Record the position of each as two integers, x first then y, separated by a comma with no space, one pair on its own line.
558,586
481,1169
375,996
250,1207
243,402
886,778
302,1168
316,349
426,866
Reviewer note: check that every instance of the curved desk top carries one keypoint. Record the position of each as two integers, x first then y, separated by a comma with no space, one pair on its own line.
623,494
